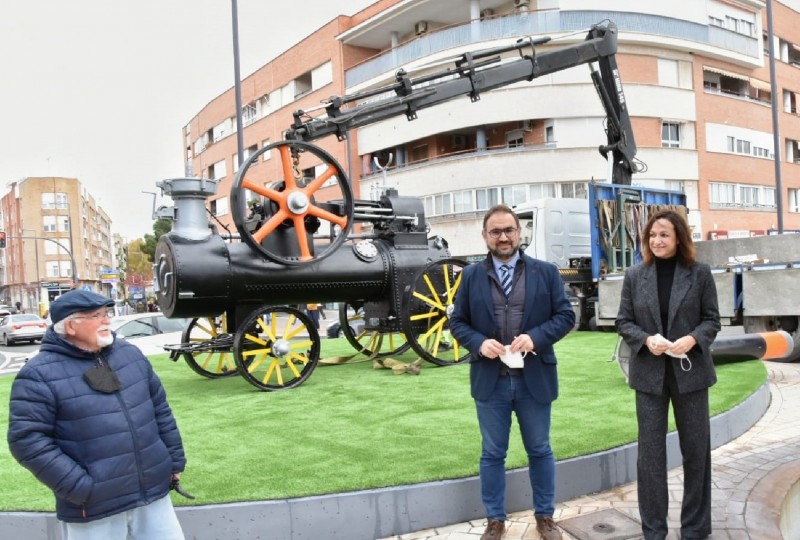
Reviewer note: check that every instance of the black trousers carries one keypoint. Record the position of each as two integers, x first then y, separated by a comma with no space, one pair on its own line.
692,421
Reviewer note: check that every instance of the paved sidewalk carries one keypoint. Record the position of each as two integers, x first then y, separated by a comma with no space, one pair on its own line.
752,475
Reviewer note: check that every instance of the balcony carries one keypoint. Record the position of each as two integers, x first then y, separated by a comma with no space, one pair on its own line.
550,22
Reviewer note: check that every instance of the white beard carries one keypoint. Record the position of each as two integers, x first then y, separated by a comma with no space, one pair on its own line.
105,341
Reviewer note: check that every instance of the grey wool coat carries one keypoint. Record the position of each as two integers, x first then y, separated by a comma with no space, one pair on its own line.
693,310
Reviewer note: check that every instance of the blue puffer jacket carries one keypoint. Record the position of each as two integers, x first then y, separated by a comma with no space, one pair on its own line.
101,454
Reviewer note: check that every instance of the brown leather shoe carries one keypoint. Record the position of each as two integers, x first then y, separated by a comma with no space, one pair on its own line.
494,530
547,529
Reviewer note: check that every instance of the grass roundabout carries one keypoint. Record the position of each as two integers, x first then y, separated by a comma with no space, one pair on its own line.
352,427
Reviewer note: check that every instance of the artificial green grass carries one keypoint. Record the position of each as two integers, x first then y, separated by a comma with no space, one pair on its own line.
351,427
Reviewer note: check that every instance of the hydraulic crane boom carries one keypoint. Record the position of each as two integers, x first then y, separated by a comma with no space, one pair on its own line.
479,71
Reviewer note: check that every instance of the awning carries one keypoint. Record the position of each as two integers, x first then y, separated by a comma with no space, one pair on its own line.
726,73
760,85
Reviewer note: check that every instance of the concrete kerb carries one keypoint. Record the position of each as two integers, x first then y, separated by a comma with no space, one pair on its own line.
379,513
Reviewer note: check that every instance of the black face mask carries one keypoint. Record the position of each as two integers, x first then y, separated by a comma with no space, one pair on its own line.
103,379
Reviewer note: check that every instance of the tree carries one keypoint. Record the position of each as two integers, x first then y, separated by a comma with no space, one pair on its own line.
160,227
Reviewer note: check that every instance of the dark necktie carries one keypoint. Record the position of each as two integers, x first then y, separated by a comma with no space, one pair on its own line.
505,279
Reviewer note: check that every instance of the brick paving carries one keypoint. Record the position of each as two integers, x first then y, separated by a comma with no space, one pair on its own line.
752,475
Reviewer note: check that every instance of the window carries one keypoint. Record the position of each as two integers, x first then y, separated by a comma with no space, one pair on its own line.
741,195
748,195
217,170
53,268
722,194
549,135
268,154
670,135
51,248
275,100
249,114
514,139
462,201
219,207
65,267
513,195
742,147
322,75
221,130
57,201
49,223
486,198
442,204
249,151
794,200
63,223
574,190
668,72
419,153
542,191
428,206
302,85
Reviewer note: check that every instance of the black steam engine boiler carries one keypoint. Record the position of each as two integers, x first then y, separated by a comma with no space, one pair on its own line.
395,285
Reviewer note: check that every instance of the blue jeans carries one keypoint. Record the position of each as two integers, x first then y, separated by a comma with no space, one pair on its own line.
156,520
494,417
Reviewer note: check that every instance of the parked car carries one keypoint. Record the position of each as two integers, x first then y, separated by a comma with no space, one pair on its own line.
8,310
335,328
21,327
149,331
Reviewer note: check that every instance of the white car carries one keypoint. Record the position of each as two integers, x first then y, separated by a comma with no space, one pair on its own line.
149,331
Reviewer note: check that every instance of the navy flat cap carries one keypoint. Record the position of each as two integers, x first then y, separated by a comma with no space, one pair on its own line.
76,301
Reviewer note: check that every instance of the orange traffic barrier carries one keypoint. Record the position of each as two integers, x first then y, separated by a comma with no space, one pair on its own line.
777,345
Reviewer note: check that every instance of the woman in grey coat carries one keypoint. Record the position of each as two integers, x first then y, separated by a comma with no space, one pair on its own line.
668,316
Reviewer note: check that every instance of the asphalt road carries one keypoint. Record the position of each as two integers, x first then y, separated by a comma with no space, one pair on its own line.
12,358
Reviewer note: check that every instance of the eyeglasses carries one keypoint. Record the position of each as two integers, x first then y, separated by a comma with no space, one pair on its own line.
96,316
508,231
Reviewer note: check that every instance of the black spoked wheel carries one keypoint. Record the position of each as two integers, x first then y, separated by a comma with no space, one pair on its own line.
276,348
210,351
427,306
289,223
369,342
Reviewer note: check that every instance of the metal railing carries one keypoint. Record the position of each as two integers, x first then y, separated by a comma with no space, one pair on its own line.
547,22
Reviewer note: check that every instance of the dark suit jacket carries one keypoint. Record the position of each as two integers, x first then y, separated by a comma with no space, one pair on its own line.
547,317
692,311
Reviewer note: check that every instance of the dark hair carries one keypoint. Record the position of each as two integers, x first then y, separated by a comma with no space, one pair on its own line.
498,209
686,249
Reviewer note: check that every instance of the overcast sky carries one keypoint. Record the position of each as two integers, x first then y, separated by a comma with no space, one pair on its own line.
100,89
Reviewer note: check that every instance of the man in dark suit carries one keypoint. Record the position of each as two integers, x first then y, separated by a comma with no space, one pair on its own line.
511,306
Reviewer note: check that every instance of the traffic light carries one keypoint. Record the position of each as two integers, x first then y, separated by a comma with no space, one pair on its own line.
2,239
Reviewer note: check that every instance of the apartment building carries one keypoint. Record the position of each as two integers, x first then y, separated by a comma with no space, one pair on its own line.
697,84
57,238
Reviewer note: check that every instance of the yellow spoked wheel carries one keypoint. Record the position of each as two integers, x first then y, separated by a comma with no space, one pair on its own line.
209,347
427,306
276,348
373,343
288,222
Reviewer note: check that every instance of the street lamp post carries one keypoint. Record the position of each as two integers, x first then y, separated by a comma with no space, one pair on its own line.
59,244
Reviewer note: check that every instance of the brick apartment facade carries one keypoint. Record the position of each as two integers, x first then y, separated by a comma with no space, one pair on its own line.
696,78
40,216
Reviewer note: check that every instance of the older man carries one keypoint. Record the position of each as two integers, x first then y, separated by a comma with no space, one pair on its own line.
90,419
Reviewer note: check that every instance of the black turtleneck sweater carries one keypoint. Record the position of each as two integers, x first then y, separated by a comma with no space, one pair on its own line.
665,272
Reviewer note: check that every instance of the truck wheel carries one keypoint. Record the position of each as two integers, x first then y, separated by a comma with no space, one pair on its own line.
754,325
